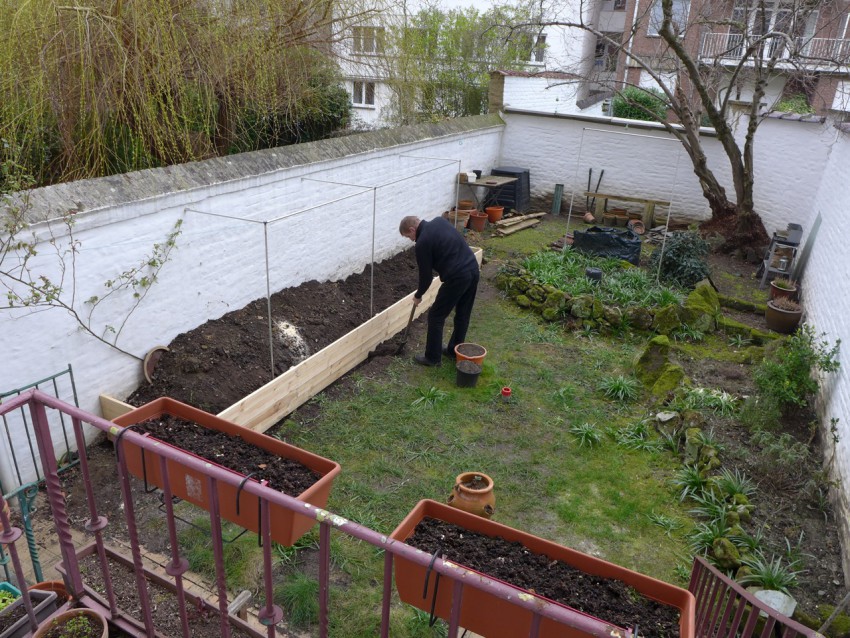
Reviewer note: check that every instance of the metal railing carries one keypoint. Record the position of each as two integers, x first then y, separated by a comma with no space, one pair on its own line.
722,605
269,614
809,52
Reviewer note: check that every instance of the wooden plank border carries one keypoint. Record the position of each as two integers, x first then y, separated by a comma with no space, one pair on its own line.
267,405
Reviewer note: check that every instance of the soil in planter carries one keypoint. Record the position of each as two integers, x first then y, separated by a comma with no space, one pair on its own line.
284,475
77,627
203,622
9,618
476,482
223,360
608,599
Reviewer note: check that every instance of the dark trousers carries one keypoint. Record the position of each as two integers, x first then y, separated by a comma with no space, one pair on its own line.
456,294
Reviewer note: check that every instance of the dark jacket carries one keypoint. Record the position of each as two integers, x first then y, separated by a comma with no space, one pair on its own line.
440,247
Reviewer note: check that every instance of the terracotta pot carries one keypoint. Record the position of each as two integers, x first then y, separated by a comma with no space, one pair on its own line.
56,586
466,204
70,614
471,352
487,615
589,218
637,226
286,526
477,221
777,292
458,218
782,321
494,213
473,493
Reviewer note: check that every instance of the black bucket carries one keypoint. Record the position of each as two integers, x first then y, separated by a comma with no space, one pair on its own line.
594,274
467,373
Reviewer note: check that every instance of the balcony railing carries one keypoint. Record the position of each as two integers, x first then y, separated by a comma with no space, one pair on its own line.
730,48
721,604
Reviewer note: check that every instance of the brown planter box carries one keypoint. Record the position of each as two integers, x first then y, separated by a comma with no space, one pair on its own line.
286,526
483,613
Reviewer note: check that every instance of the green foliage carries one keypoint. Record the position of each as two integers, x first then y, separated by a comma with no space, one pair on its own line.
430,397
704,534
300,597
622,284
667,523
690,482
636,436
770,574
739,341
587,434
682,259
621,388
718,401
732,482
687,333
634,103
785,375
797,103
6,598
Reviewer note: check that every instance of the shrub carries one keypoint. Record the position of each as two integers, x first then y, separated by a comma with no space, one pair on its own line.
634,103
682,259
785,375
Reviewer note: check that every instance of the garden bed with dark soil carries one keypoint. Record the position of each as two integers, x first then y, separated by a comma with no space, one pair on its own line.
285,475
604,598
203,622
223,360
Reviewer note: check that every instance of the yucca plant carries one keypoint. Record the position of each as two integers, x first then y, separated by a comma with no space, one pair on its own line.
667,523
739,341
430,397
621,388
732,482
690,482
703,537
770,574
587,434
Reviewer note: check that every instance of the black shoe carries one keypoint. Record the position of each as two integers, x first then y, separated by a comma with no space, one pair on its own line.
450,353
422,360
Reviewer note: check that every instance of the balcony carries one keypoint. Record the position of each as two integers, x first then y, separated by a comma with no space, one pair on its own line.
815,54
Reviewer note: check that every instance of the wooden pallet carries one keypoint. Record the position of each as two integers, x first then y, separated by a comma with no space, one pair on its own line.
529,223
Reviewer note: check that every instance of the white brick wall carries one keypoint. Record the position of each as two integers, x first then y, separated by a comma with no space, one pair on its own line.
644,161
826,296
219,263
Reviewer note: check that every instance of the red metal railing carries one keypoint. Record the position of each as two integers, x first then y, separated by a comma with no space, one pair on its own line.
37,402
722,605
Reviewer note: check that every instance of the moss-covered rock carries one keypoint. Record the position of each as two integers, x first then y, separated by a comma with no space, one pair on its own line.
557,300
741,304
693,419
707,292
670,378
537,293
840,627
550,314
639,318
668,423
701,308
519,284
651,362
708,460
726,554
523,301
582,307
693,444
668,319
612,315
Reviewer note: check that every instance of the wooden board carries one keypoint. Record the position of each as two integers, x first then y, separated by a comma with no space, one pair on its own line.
624,198
111,407
517,227
517,220
267,405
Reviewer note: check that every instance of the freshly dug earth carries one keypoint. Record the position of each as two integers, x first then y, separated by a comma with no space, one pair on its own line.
284,475
11,617
203,622
610,600
223,360
83,627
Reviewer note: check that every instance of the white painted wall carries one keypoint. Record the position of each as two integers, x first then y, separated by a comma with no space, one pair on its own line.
326,233
644,161
545,95
826,296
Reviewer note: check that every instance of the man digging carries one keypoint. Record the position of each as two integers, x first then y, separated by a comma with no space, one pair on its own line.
440,248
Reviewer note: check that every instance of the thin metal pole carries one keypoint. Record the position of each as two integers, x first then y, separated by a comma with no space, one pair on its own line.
573,189
667,224
269,298
372,275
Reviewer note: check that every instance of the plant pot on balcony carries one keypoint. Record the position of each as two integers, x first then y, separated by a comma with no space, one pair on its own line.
482,612
783,315
286,526
82,622
43,605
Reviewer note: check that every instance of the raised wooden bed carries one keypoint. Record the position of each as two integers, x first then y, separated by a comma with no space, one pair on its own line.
490,616
286,526
267,405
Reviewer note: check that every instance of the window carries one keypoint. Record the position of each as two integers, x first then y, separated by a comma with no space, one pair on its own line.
539,50
680,16
363,93
369,40
605,56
